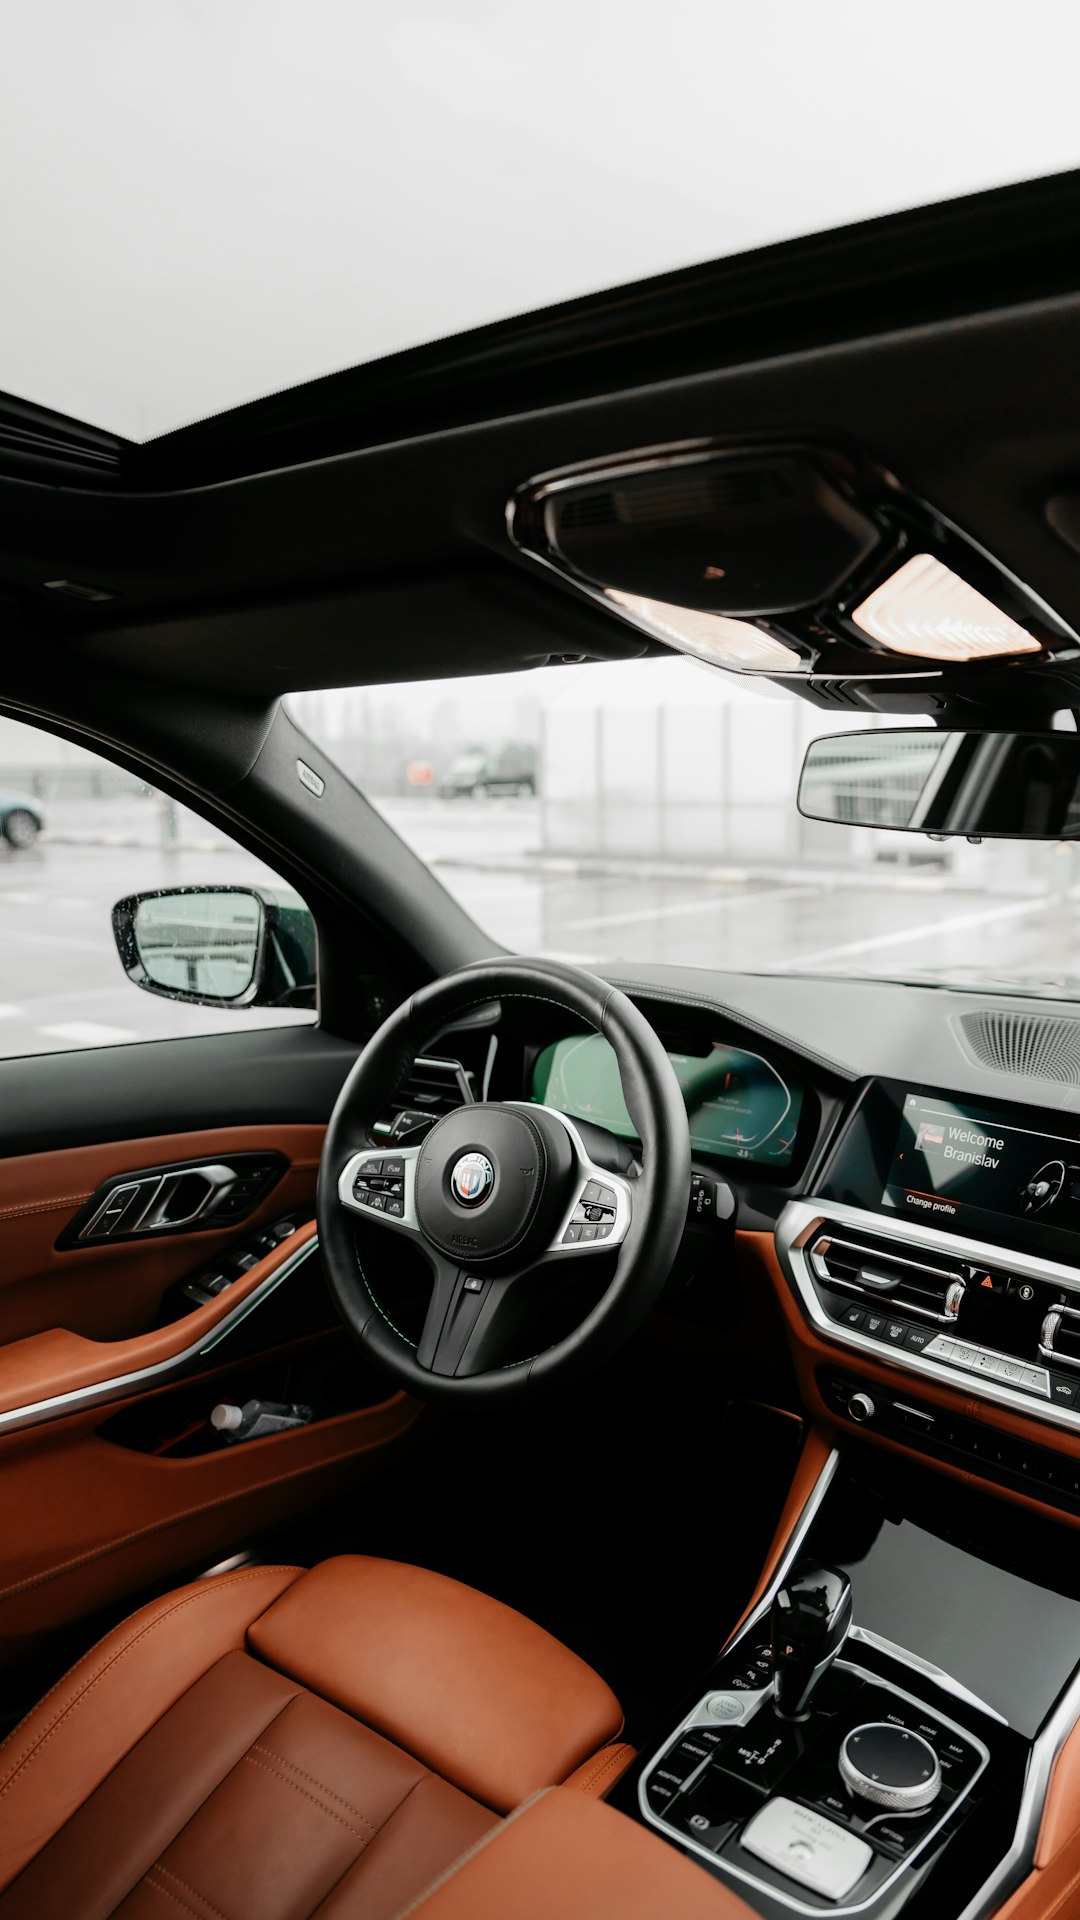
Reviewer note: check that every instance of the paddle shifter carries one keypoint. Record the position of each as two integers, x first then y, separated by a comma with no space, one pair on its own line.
810,1618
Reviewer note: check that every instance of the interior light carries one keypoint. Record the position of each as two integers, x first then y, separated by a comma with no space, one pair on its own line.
709,636
927,610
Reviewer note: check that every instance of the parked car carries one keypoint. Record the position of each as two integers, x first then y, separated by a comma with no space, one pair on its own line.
21,820
479,775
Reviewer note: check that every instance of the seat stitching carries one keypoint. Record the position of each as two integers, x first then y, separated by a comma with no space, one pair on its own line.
276,1774
257,1747
156,1887
151,1625
42,1206
159,1867
617,1757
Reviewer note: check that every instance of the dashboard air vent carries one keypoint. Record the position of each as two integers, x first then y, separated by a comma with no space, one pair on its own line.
888,1272
431,1088
1029,1046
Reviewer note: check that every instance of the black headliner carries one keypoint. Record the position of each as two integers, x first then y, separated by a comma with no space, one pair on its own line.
944,341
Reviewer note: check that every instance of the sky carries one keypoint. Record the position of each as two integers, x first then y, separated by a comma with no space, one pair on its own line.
205,201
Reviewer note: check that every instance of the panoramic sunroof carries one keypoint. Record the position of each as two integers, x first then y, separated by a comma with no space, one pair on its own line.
221,202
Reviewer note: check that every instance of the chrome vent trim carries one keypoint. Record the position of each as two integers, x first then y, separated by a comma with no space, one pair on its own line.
892,1276
1027,1046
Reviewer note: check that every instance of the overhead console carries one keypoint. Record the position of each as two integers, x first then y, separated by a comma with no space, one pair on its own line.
946,1235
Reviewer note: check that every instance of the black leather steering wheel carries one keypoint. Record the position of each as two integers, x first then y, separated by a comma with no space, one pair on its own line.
502,1196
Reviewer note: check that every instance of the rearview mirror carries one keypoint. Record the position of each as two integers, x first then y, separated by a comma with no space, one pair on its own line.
995,786
219,946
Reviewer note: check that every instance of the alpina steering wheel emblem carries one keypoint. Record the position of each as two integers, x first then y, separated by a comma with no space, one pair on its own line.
472,1179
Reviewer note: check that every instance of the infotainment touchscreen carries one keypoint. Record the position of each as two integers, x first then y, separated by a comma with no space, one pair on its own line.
954,1166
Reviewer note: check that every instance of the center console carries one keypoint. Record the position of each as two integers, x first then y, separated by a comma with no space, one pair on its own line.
820,1809
879,1735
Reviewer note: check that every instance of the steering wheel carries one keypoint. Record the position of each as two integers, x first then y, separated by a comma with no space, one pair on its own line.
501,1198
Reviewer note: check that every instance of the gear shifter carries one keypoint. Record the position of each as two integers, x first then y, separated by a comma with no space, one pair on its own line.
810,1618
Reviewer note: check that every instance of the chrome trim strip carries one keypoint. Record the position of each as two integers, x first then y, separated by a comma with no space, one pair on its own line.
726,1869
1049,1331
1016,1862
855,1246
802,1218
799,1531
37,1412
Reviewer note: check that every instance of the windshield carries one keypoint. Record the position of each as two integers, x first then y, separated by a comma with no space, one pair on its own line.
645,811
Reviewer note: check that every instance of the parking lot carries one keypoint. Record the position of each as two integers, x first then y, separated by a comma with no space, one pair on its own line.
61,984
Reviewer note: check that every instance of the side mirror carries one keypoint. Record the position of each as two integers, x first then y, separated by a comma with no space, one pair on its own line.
982,786
219,946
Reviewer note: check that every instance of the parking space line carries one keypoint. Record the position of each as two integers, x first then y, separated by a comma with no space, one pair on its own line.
88,1033
1016,910
722,903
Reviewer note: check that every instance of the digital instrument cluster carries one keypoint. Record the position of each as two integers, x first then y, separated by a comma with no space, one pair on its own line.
740,1107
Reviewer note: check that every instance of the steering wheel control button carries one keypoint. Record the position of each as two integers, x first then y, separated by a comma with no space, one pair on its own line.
806,1847
891,1767
473,1285
471,1179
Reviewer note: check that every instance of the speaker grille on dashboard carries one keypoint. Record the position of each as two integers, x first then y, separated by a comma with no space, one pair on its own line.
1030,1046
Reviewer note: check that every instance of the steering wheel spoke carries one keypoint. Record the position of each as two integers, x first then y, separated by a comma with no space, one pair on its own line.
471,1319
600,1205
380,1185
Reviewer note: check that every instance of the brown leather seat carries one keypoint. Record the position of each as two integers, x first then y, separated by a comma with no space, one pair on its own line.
271,1744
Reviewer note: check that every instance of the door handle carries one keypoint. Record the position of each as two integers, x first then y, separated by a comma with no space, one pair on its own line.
173,1199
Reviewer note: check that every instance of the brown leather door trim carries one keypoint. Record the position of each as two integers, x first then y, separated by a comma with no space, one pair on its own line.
58,1373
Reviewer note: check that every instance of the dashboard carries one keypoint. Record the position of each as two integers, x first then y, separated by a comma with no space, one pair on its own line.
905,1194
885,1197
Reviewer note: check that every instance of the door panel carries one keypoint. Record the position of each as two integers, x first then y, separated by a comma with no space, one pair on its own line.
85,1522
87,1516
